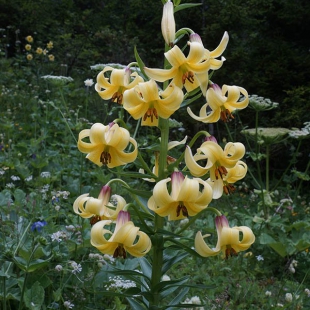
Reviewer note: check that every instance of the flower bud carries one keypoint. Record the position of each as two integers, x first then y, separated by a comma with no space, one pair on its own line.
168,23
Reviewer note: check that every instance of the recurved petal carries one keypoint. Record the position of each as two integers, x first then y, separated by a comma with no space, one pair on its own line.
236,173
222,46
161,75
195,169
126,234
97,133
141,247
196,53
98,233
247,240
175,57
85,147
202,248
119,158
149,91
234,151
204,115
161,194
78,206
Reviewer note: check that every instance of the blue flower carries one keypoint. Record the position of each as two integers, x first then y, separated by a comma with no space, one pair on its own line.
37,226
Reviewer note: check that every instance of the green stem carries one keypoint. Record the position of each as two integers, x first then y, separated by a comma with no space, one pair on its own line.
158,242
290,165
267,166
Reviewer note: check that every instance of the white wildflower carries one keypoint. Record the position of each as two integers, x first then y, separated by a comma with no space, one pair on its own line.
259,258
10,185
268,293
89,82
45,174
58,268
288,297
57,236
77,268
15,178
68,304
165,278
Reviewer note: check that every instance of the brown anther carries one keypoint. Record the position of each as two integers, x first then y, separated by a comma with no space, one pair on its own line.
221,170
151,112
105,158
94,219
230,252
188,76
229,189
182,208
117,97
226,116
119,252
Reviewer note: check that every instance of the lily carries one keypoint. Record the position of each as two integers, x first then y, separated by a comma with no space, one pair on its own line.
224,184
124,238
222,105
190,72
210,56
228,242
218,160
99,208
185,199
107,145
146,102
114,87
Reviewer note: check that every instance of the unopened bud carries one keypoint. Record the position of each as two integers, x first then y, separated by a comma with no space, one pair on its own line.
168,23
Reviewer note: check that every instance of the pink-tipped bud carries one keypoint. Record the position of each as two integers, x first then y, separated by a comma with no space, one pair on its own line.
221,221
211,138
194,37
105,194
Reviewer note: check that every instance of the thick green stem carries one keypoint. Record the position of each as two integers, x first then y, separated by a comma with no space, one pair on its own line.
158,242
267,167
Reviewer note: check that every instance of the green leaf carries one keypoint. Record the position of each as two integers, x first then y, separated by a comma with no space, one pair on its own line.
170,260
178,298
185,6
140,63
34,297
136,305
279,248
146,267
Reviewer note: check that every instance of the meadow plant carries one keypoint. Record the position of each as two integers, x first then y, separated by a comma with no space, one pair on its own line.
184,185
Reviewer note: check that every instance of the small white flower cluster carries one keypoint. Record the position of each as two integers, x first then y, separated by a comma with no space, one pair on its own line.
268,293
57,80
100,67
101,258
288,297
302,133
59,236
15,178
29,178
117,282
195,300
89,82
10,185
262,104
45,174
68,304
45,188
165,278
62,194
292,266
2,172
307,291
58,268
76,268
259,258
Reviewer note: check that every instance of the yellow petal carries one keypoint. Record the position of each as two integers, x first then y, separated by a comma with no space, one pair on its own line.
202,248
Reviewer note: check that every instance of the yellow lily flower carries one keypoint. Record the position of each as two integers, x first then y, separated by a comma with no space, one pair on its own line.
210,56
101,208
114,87
122,240
107,145
228,239
218,160
186,197
222,106
190,71
224,184
144,101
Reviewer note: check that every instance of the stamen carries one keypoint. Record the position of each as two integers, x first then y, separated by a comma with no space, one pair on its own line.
188,76
221,170
230,252
182,208
226,116
94,219
105,158
117,97
119,252
151,112
229,189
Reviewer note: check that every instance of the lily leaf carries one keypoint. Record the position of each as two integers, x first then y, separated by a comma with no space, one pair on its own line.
135,305
185,6
140,63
